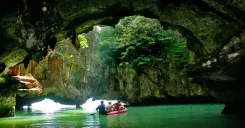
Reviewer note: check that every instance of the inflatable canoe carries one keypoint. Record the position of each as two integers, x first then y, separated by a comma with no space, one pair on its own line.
117,112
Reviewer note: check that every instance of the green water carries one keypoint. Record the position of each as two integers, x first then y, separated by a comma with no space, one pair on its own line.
169,116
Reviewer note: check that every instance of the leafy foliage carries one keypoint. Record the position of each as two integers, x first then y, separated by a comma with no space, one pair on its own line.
140,41
2,80
107,45
83,41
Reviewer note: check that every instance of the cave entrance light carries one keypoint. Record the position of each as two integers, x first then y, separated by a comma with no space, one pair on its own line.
48,106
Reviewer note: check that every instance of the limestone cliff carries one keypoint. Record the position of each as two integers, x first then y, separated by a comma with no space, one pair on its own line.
222,74
160,83
68,74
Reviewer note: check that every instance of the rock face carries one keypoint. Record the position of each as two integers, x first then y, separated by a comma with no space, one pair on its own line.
24,86
11,83
222,74
208,26
67,74
36,24
8,86
161,83
29,86
70,76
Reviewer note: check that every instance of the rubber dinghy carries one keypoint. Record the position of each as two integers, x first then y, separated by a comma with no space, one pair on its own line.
117,112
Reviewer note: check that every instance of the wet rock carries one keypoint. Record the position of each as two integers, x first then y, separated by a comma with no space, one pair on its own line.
234,108
11,59
15,71
37,23
224,76
29,86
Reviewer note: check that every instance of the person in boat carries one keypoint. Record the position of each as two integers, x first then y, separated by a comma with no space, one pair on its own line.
118,106
109,107
101,108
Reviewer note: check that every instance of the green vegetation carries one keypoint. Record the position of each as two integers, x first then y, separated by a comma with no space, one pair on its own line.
12,58
62,49
83,41
140,42
2,80
108,47
7,101
7,83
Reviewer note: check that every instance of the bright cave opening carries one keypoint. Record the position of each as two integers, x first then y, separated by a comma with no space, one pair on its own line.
48,106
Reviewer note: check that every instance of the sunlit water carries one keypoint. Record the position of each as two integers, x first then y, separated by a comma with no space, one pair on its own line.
169,116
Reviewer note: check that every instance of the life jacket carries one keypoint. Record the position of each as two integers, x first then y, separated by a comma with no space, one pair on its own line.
117,106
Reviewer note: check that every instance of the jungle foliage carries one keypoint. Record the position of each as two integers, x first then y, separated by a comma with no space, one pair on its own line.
83,41
138,41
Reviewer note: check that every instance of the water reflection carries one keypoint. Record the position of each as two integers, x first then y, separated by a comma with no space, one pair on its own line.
92,121
187,116
118,121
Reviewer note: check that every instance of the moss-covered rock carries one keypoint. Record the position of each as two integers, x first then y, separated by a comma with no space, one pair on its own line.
208,25
65,71
222,74
8,90
7,101
10,59
159,81
25,86
209,28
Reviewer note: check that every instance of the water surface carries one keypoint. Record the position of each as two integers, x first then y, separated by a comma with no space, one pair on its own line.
168,116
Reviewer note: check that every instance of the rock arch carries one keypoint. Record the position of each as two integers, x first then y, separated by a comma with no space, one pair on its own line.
208,25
